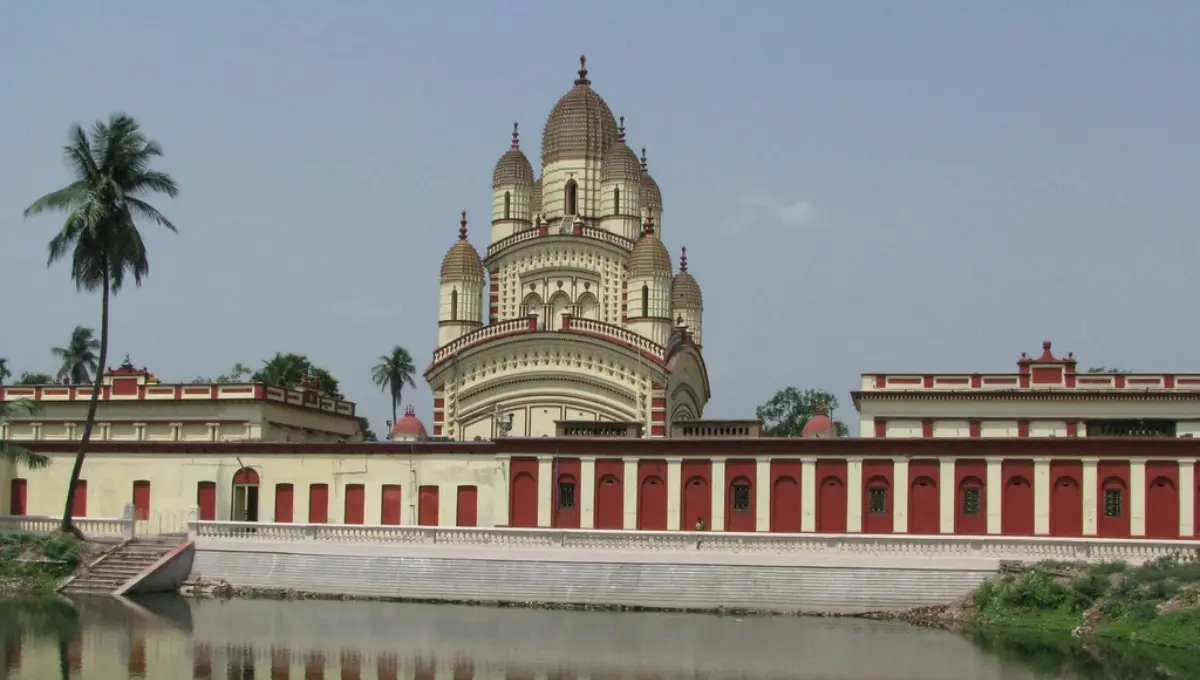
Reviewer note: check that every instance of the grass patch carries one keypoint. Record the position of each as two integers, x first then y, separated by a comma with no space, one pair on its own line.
1157,602
36,564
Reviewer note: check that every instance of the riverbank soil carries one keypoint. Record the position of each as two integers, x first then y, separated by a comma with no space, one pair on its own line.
1156,603
36,564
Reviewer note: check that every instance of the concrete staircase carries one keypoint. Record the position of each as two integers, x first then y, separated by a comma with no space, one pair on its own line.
119,565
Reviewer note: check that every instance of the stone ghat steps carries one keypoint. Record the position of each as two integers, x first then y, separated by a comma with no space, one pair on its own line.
119,565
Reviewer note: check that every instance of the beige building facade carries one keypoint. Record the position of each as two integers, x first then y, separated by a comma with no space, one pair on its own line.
585,317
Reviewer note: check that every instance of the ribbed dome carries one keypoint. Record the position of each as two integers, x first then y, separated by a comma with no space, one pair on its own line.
462,262
651,194
513,167
649,257
685,291
536,208
580,126
620,163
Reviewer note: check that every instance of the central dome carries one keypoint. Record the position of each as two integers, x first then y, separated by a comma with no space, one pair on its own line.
581,125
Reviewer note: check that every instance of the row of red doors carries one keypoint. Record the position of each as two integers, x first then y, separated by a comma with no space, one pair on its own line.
354,508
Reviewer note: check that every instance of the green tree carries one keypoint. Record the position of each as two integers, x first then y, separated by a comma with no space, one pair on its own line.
786,414
289,370
392,373
367,434
1105,369
112,177
10,451
29,378
238,374
5,374
79,360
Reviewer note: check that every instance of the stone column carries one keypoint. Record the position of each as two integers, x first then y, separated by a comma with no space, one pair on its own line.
139,431
1090,525
762,490
546,489
674,490
1041,496
854,491
500,497
630,487
948,498
995,494
587,492
140,428
1187,498
808,494
718,494
900,495
1137,497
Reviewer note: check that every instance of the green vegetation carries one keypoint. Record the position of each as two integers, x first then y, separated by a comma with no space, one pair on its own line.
1054,655
1156,603
36,564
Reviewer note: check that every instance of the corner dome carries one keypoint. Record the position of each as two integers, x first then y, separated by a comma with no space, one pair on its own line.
513,167
649,258
620,163
408,428
581,125
651,194
685,290
819,426
462,262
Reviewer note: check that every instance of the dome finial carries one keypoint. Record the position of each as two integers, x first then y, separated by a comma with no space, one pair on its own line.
462,227
643,159
683,260
621,130
516,141
583,79
648,225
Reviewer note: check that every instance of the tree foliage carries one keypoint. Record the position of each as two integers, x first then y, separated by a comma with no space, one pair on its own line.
30,378
289,370
11,451
240,373
786,413
1105,369
79,360
394,370
5,374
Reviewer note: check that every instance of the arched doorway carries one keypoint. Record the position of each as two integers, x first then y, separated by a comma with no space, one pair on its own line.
523,501
877,506
245,495
1162,509
652,504
697,505
566,503
1066,508
1016,507
785,505
610,503
831,506
559,305
971,515
924,507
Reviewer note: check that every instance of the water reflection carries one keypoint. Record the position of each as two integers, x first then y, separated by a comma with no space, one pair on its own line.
110,639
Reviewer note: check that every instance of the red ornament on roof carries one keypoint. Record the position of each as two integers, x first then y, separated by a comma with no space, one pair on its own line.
409,427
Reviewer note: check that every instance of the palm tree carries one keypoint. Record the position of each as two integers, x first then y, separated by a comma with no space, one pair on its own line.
392,372
10,451
5,374
112,173
79,356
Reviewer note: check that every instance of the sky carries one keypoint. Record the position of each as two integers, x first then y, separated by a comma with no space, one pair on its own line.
917,186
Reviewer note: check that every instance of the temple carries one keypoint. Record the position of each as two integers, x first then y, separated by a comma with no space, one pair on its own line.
585,318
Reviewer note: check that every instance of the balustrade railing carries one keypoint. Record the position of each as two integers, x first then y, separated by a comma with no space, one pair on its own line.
522,325
1025,548
530,325
618,333
92,527
595,233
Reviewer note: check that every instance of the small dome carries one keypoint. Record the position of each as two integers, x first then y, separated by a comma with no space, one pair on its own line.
819,426
536,208
651,194
685,291
513,167
620,163
580,125
462,262
649,257
408,428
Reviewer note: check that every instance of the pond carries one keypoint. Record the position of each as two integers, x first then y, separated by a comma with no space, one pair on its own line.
172,638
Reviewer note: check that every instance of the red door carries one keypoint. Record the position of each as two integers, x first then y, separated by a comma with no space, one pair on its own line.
206,499
318,504
79,502
652,505
697,504
427,506
18,497
610,503
391,505
523,506
924,507
283,503
785,505
468,506
1066,508
1162,509
1016,508
141,499
831,506
356,499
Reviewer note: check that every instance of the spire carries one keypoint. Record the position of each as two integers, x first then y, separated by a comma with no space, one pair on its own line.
516,141
683,260
582,79
643,159
621,131
462,227
409,410
648,225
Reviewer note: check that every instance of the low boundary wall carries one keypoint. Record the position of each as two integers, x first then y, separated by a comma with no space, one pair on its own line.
668,570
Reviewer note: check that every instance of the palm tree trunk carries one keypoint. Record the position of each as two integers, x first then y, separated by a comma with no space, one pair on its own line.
394,400
97,385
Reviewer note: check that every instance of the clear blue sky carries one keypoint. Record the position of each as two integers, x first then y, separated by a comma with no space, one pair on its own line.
862,186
